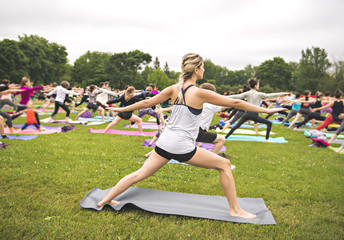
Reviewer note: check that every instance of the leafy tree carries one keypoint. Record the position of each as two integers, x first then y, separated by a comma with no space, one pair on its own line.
251,71
90,68
277,73
122,68
47,61
167,69
13,62
160,79
312,70
156,63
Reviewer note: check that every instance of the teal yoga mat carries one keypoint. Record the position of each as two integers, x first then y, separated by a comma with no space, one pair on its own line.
255,138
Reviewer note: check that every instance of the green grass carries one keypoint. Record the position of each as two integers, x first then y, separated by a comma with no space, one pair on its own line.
43,181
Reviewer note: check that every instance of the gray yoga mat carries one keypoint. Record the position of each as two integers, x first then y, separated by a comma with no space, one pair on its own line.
184,204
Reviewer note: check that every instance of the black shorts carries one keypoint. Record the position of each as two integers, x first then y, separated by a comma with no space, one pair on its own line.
125,115
92,106
179,157
205,136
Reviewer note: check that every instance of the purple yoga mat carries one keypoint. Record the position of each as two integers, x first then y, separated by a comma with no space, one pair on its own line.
21,137
121,132
205,146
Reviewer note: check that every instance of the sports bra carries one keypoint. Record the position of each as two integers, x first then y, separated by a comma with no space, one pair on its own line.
192,110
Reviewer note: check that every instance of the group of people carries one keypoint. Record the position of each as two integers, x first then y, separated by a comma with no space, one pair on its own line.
188,124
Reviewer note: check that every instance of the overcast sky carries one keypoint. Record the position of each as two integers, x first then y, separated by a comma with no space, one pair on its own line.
232,33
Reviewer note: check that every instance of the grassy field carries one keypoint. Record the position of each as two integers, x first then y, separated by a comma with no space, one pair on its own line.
44,179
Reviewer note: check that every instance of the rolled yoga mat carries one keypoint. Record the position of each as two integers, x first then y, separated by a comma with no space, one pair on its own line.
182,204
255,139
203,145
121,132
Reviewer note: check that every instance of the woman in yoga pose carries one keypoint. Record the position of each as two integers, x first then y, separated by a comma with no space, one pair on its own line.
61,92
92,93
255,98
178,138
304,109
337,108
126,99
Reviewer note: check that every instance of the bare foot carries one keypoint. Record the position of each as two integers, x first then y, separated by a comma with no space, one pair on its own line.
141,134
112,202
267,140
50,120
241,213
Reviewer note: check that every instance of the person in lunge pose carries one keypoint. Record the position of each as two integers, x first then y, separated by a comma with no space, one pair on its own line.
61,92
126,99
255,98
177,140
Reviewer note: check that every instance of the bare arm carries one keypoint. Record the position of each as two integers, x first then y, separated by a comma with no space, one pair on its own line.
217,99
159,98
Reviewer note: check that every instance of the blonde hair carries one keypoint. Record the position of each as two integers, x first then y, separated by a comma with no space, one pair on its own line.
129,90
190,61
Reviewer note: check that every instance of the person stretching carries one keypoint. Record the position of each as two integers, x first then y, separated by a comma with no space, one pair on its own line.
125,100
30,117
339,130
337,108
255,98
92,103
178,138
61,92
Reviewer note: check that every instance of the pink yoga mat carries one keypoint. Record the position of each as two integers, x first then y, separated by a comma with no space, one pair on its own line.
121,132
33,131
46,120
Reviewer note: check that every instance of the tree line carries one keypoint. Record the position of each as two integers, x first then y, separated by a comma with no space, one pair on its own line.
46,62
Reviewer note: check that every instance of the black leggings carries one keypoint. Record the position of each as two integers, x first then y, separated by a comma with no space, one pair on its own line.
252,116
310,116
63,106
280,112
83,99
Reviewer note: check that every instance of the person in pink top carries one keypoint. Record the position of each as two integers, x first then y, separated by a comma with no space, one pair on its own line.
25,95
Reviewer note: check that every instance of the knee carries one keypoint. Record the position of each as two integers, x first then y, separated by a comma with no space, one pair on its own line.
221,139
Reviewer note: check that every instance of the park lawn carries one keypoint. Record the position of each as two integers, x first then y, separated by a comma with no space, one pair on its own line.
44,179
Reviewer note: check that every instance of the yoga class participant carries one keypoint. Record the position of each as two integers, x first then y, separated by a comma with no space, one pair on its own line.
255,98
92,103
150,111
337,108
304,109
126,99
25,92
339,130
296,105
103,98
61,92
50,100
30,117
314,115
177,140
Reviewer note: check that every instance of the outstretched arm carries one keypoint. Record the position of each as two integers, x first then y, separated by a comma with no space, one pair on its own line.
217,99
323,107
159,98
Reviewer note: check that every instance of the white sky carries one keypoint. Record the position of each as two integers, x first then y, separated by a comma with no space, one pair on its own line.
232,33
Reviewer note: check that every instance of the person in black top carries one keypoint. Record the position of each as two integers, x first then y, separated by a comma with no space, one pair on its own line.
126,99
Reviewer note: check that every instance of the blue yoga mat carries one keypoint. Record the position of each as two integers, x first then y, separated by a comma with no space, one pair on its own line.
244,125
255,138
22,137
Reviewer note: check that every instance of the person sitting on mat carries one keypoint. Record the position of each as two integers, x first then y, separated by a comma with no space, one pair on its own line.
177,140
30,117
